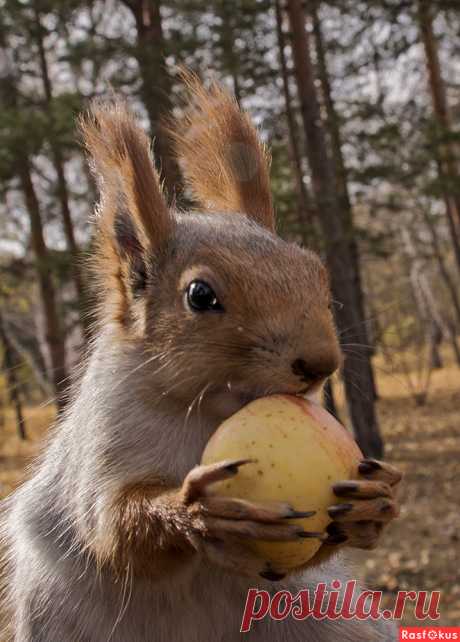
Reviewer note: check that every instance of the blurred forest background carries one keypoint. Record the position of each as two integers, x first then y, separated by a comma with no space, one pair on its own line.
360,104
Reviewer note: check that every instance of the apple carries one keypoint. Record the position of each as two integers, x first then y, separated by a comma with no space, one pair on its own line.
299,451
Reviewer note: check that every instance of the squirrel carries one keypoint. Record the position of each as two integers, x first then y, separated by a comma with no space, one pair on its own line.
117,536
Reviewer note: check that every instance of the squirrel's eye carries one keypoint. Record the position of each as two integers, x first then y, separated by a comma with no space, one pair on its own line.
201,297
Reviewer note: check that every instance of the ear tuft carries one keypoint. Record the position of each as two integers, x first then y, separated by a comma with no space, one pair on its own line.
226,165
133,219
123,164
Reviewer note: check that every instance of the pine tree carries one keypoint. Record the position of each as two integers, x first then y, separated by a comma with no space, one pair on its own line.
38,33
151,52
445,155
18,157
341,252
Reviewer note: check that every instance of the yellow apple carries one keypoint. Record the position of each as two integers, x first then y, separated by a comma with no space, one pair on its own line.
299,451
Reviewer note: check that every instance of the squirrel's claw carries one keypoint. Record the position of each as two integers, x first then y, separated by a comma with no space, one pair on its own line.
215,525
382,509
248,529
371,505
355,489
379,471
200,477
357,534
234,508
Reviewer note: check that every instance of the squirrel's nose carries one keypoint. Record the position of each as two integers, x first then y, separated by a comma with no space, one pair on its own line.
315,369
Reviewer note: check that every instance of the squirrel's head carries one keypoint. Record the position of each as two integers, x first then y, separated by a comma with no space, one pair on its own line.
220,308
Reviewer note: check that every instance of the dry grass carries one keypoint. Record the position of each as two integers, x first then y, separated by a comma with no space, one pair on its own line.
15,454
421,550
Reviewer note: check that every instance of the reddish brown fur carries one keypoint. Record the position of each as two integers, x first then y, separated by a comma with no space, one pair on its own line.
225,164
141,541
122,160
120,150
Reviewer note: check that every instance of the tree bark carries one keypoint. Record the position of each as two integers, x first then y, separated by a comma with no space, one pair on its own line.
452,327
425,298
305,211
31,354
10,364
156,84
54,335
335,135
454,343
230,61
447,162
62,191
338,232
443,270
332,121
435,342
450,210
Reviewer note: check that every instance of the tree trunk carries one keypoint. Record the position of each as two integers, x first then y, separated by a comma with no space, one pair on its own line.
333,125
305,211
335,136
450,210
443,270
424,296
54,335
156,84
435,342
337,231
230,59
62,191
447,164
452,327
31,354
10,365
454,342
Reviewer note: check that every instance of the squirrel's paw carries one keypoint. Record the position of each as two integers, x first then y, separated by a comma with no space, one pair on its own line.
370,505
216,525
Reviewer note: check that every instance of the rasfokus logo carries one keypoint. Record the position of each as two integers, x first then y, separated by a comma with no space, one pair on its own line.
429,633
338,601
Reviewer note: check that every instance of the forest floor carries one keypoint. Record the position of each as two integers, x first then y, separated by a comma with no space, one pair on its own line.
421,550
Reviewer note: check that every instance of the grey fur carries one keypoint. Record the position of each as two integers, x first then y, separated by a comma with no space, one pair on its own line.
54,588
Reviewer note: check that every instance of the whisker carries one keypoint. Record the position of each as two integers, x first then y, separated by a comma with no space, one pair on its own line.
125,599
200,401
190,408
358,388
138,367
378,315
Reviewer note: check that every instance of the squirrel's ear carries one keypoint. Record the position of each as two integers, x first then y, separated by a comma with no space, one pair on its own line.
128,182
133,219
224,162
